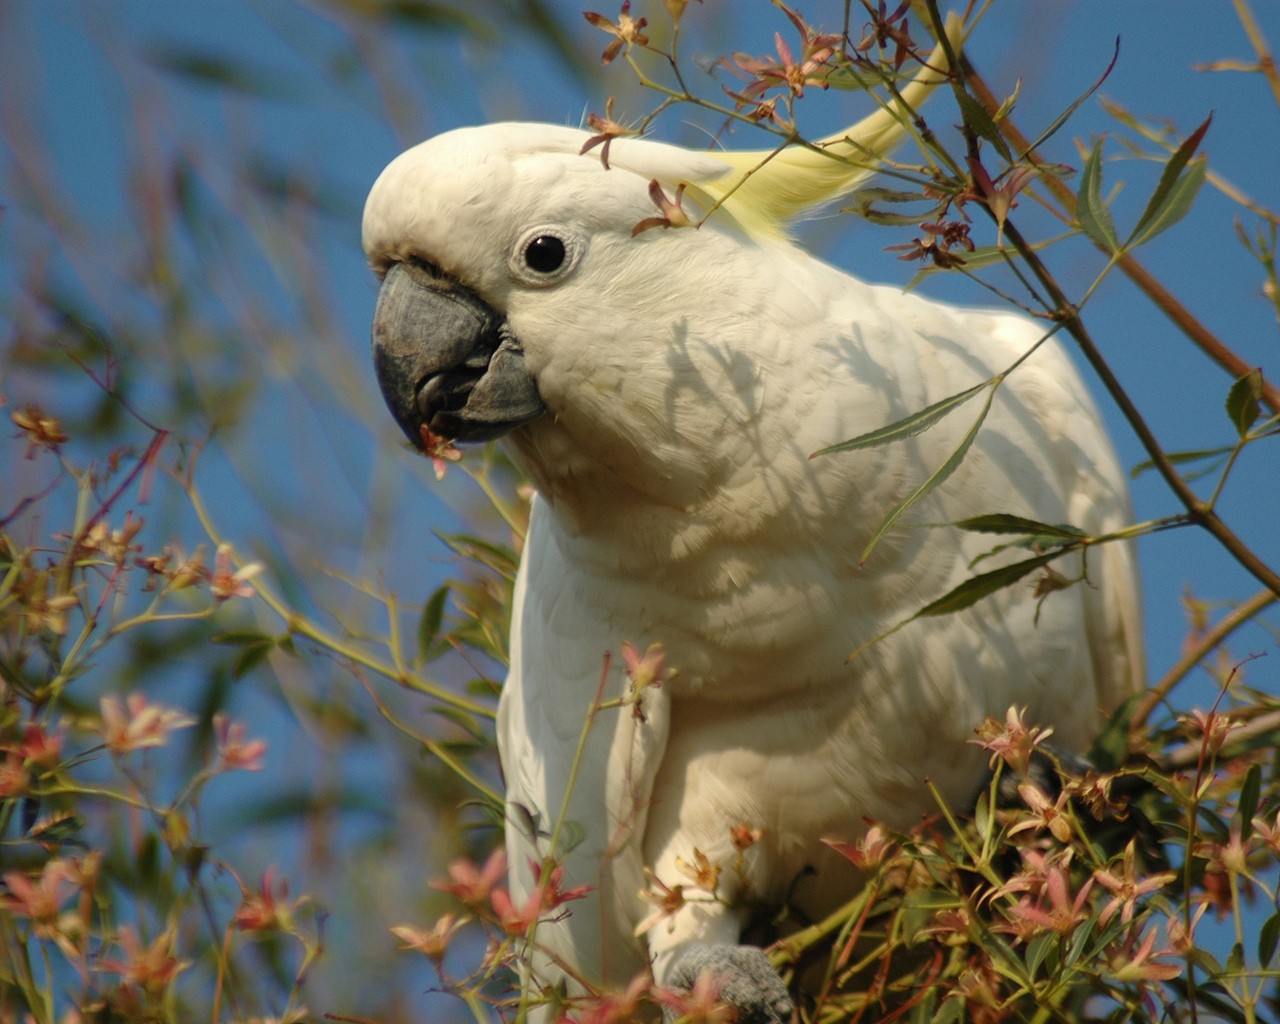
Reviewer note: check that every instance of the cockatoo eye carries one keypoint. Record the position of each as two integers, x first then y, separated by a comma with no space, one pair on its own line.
544,255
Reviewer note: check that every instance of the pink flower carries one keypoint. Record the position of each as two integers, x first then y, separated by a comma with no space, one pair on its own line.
816,53
667,899
433,942
268,909
701,1004
1129,964
616,1007
471,885
153,968
1044,813
1054,909
545,897
1013,742
627,31
233,752
867,853
1127,888
138,724
440,450
225,584
40,899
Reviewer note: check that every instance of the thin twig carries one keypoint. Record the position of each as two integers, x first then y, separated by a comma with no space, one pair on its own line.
1183,318
1241,614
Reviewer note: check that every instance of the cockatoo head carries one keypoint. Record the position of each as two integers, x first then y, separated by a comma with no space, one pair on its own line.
509,256
502,249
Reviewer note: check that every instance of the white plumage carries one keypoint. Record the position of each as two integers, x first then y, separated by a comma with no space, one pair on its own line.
687,376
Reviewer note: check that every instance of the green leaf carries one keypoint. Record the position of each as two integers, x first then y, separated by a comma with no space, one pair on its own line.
1179,202
865,198
1175,191
1001,522
980,123
1179,458
1247,806
248,658
951,1012
429,622
1244,401
974,589
1092,213
938,476
1062,118
916,423
1268,939
1039,948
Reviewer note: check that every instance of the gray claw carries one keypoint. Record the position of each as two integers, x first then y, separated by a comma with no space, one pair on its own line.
746,980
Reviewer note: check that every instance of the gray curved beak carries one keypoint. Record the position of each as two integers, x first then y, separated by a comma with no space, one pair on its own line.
446,361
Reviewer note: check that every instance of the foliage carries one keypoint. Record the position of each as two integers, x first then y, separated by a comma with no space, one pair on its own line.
1071,892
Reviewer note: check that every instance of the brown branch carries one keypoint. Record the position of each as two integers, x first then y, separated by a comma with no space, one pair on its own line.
1183,318
1199,512
1238,616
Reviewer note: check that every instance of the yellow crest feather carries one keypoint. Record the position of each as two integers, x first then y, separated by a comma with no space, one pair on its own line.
767,189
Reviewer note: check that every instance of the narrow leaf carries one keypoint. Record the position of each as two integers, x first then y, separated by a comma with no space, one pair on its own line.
974,589
916,423
1092,213
1001,522
1268,939
1179,203
865,200
980,123
1243,401
1062,118
430,621
1247,806
1175,191
1180,458
939,475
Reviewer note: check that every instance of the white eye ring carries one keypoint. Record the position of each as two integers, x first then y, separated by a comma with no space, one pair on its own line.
544,255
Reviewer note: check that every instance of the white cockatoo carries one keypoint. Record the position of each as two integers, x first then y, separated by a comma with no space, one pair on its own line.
664,391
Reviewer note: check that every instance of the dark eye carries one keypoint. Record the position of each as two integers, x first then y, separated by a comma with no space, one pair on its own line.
544,254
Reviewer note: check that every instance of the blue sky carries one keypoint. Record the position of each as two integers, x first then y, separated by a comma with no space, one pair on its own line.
309,474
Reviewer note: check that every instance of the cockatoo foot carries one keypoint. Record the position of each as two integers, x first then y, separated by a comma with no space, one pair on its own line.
744,978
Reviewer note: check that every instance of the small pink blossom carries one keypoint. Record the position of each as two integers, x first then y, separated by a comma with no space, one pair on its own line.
744,836
545,897
225,584
627,31
667,900
812,68
153,967
699,1005
1126,887
1055,909
14,777
440,450
431,942
40,899
138,724
867,853
268,908
1129,964
1044,812
471,885
1013,742
234,753
613,1007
